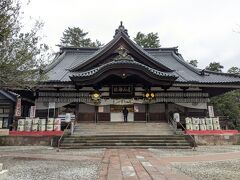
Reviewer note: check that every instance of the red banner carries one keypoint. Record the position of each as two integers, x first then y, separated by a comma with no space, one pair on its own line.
18,108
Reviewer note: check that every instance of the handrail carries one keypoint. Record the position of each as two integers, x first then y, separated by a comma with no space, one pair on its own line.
174,124
194,142
59,140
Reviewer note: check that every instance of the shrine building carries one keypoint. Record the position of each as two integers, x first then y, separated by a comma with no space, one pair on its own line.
95,84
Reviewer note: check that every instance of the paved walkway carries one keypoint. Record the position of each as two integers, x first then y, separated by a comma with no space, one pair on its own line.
135,164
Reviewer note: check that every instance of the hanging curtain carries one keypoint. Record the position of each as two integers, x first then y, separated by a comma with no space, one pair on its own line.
193,105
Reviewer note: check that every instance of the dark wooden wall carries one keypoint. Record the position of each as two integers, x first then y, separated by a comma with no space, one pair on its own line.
157,117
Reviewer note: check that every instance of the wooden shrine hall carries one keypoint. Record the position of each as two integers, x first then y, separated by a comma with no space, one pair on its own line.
95,84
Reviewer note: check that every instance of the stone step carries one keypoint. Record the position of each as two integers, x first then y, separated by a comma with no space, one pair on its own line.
128,147
106,141
124,133
122,144
145,137
123,128
123,141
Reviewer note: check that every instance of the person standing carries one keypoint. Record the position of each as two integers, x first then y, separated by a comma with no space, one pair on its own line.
125,114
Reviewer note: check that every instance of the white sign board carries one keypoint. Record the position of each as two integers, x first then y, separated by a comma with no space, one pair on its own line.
210,111
68,117
100,109
32,111
136,109
176,117
51,105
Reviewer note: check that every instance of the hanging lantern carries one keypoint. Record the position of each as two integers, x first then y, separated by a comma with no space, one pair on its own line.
149,95
152,95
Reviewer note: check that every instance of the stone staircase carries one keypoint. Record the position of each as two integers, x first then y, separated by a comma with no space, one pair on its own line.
124,135
86,129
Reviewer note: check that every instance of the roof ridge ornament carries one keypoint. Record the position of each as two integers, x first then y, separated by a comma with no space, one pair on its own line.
120,29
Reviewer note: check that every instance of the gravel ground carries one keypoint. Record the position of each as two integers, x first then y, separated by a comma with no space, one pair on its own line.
199,151
40,169
29,169
50,150
213,170
217,170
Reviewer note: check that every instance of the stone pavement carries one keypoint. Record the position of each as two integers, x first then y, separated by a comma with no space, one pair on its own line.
141,164
136,164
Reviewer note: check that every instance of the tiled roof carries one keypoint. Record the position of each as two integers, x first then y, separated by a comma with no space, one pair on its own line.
123,61
9,95
188,73
68,63
59,69
108,46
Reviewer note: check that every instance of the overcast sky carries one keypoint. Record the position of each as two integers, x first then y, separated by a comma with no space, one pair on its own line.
202,29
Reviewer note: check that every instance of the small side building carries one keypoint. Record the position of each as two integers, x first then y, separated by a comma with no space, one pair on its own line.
9,101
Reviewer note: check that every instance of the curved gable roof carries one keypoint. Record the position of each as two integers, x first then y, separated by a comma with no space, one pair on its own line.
70,61
117,38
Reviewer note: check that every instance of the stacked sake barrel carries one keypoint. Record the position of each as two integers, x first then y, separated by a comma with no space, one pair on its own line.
202,123
188,122
36,124
195,124
54,124
42,125
209,124
21,123
1,124
57,124
28,124
216,124
50,124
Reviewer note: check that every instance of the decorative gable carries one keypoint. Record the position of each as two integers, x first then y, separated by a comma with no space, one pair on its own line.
120,46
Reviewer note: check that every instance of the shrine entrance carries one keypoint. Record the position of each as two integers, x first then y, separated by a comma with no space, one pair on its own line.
116,113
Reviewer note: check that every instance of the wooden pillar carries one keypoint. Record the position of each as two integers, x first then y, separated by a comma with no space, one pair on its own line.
206,110
147,112
77,112
11,116
96,114
186,114
166,112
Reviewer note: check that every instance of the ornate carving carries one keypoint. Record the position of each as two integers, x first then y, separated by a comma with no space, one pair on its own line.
123,54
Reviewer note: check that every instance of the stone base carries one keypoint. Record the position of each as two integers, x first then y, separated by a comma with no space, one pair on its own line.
28,140
216,139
